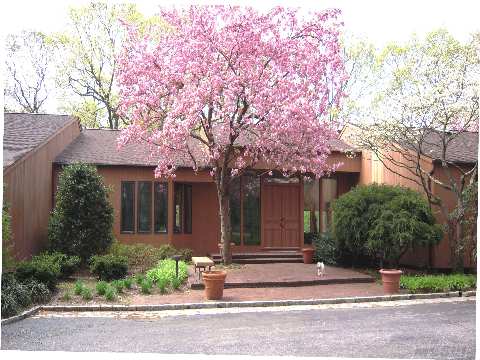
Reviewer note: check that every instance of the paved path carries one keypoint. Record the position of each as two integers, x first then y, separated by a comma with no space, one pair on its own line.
440,329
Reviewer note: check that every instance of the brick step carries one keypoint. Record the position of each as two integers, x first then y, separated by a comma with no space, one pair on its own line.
264,255
268,260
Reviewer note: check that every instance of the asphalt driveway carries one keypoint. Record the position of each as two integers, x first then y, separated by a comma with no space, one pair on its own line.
430,330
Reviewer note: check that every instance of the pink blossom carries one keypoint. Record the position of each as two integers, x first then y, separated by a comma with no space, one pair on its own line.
225,78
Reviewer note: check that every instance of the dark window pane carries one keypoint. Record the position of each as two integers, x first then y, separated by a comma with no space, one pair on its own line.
161,207
127,222
177,226
235,210
251,210
144,206
311,209
187,209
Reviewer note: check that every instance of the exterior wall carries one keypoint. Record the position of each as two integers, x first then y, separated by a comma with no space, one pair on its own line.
205,221
441,252
28,191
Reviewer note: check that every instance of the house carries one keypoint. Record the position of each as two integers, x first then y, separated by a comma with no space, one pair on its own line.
461,153
31,142
267,212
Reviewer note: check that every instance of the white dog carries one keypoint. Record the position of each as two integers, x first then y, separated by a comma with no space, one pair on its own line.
320,268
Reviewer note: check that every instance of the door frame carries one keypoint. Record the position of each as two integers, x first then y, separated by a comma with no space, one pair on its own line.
300,200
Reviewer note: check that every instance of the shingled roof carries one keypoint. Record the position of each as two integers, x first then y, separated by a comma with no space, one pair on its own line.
461,148
99,147
24,133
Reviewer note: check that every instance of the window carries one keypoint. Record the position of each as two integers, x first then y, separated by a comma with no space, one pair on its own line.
183,208
245,210
311,209
329,193
160,207
144,206
127,223
251,210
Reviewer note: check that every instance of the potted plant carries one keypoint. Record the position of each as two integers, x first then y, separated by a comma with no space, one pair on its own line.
308,255
214,281
402,224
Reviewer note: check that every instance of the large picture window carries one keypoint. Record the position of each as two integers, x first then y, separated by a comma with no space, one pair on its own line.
144,206
160,202
245,210
183,208
311,209
127,222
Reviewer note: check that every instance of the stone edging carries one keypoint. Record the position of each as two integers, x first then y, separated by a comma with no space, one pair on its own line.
233,304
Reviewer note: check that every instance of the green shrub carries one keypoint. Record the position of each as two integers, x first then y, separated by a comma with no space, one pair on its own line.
15,295
166,251
39,292
383,221
165,272
68,264
110,294
118,285
139,278
128,282
186,254
325,248
87,293
109,267
78,288
42,268
140,256
176,283
82,220
101,287
146,286
67,296
437,283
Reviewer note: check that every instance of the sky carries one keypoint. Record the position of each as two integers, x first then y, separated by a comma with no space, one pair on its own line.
378,21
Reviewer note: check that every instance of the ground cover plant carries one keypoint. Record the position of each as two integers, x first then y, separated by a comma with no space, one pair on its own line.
164,274
437,283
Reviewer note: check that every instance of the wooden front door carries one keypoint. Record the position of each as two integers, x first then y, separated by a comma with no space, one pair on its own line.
281,216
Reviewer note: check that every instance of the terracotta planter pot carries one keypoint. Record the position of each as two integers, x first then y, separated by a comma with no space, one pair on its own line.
391,280
308,255
214,281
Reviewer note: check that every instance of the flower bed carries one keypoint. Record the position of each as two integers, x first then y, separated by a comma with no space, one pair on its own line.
437,283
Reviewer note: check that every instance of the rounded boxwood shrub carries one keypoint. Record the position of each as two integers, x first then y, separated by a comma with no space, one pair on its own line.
383,221
325,248
109,267
39,292
41,268
81,222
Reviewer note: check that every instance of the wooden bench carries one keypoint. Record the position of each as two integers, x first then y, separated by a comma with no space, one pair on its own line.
201,263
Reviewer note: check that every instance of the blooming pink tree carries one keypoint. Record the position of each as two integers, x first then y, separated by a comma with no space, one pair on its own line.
229,89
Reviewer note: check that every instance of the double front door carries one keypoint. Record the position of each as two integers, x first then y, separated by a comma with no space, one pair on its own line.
281,216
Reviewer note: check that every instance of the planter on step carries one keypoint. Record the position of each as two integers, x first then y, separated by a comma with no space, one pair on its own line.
308,255
391,280
214,281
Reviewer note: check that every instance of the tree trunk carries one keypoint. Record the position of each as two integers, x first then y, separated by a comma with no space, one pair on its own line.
225,226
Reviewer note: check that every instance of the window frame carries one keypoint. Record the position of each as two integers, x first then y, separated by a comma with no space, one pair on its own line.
133,207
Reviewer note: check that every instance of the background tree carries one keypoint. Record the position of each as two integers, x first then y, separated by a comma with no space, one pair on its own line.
90,47
82,220
29,62
229,87
428,99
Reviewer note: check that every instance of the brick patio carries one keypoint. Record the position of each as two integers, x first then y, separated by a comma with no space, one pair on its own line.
284,275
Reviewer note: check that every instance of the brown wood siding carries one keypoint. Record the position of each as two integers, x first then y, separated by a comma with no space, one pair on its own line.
28,191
